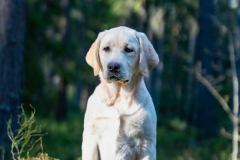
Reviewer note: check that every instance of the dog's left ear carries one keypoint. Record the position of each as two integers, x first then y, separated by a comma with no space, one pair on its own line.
148,56
92,56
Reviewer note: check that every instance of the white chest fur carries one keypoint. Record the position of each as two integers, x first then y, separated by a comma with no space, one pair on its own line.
126,130
119,134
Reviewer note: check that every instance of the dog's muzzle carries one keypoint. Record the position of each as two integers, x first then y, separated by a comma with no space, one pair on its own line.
114,73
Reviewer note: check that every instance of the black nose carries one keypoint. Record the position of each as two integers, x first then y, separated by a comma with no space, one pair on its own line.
114,67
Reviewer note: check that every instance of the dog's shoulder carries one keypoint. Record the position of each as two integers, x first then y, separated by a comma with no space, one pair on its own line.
92,105
94,99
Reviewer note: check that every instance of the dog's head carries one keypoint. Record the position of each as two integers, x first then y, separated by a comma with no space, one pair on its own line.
121,53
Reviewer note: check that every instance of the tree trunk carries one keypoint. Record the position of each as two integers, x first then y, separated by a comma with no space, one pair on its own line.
173,64
81,53
12,34
158,42
205,119
191,50
61,110
235,100
235,63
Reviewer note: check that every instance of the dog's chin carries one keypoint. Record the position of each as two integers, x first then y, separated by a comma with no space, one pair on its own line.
115,79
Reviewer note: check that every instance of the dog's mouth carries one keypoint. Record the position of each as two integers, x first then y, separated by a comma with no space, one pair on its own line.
114,78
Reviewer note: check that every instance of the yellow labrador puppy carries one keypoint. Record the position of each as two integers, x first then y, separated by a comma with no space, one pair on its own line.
120,120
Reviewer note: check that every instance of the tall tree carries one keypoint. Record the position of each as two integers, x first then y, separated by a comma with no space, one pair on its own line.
157,26
61,110
12,34
205,119
192,36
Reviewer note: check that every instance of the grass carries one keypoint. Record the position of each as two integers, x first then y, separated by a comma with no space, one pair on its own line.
64,139
173,143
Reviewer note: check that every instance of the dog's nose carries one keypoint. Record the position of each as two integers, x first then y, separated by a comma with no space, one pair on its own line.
114,67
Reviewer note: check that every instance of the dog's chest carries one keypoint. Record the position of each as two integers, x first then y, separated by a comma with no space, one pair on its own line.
120,134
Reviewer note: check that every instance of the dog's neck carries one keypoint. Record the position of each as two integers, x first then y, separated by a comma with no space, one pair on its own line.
113,92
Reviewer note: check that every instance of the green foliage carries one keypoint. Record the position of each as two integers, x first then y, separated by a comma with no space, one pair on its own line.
24,140
41,156
2,150
63,136
173,144
64,139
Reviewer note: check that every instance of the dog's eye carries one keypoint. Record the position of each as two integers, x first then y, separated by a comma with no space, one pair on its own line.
128,50
106,49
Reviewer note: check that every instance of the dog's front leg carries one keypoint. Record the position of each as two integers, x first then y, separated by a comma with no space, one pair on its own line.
90,149
90,138
148,153
89,146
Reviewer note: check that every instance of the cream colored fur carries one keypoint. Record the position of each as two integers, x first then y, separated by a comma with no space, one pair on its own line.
120,120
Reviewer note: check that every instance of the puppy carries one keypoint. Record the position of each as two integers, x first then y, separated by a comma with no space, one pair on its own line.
120,120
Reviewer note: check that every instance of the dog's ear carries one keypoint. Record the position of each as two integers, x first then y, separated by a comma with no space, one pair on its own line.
92,56
148,56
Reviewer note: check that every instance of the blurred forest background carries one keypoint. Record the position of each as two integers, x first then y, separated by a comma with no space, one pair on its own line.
43,44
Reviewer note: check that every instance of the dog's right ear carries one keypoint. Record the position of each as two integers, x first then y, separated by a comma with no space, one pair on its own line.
92,56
